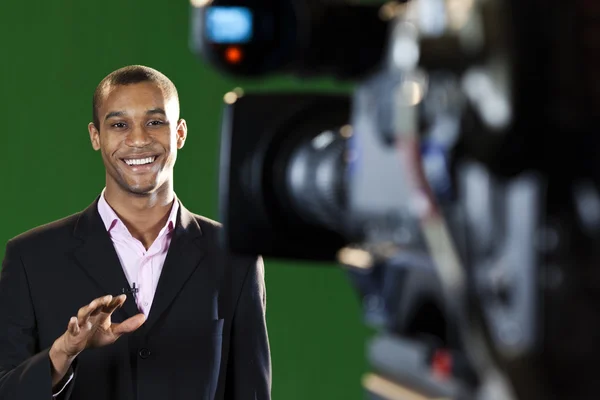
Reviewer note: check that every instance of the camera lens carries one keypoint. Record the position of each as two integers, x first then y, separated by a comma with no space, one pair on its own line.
283,176
308,169
315,179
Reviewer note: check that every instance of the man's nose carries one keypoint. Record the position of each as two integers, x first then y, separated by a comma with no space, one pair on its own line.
139,137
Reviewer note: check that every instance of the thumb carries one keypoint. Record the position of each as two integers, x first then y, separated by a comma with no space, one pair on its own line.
73,327
129,325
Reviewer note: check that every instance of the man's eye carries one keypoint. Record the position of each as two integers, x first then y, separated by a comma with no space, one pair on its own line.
155,123
119,125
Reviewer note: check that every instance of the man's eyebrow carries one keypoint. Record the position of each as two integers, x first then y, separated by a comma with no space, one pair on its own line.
156,111
114,114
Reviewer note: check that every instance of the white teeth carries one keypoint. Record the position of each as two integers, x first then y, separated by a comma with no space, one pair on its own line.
140,161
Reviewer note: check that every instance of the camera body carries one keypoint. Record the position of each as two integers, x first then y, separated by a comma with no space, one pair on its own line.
255,38
437,183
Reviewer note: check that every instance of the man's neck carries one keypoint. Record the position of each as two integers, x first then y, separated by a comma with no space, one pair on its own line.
143,215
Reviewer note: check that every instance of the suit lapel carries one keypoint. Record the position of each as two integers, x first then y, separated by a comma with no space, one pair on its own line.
97,256
183,257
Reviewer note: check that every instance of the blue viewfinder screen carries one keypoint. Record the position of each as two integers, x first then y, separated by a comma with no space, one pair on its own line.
229,24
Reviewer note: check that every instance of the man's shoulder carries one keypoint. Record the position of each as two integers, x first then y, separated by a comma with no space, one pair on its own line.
46,233
207,224
214,229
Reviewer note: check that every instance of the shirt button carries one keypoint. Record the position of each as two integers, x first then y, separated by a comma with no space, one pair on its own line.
144,353
145,303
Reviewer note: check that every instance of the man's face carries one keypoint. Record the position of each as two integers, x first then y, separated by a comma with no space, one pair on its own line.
138,136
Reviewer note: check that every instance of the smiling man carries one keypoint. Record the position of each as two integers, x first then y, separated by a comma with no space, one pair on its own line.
132,298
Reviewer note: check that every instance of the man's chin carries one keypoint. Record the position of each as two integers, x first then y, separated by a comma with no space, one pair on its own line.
141,190
142,186
141,193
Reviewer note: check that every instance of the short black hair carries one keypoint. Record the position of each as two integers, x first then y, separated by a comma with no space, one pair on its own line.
129,75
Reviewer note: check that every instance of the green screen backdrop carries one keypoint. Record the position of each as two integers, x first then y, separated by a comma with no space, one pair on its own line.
53,54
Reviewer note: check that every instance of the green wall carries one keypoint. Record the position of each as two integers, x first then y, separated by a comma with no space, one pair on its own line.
52,55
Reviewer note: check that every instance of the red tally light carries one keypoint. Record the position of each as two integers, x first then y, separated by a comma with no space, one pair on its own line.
441,364
233,54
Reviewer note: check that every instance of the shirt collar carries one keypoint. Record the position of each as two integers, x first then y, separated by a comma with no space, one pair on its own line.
111,219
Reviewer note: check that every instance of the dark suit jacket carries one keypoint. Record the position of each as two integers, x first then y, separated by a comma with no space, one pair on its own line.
205,336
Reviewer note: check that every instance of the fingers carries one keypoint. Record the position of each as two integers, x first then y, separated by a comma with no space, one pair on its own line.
85,312
109,308
92,326
129,325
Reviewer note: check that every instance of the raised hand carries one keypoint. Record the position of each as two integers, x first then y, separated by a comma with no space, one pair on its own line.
92,327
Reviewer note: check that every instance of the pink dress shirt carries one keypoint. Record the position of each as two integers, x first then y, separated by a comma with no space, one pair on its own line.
141,266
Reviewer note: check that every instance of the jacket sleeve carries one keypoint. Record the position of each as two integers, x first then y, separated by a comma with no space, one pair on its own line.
249,368
25,370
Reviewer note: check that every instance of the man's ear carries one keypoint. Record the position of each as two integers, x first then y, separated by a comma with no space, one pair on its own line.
181,133
94,136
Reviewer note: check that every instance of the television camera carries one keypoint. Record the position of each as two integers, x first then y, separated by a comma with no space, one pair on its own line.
457,184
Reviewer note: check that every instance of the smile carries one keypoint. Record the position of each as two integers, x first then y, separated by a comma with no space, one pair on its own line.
139,161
